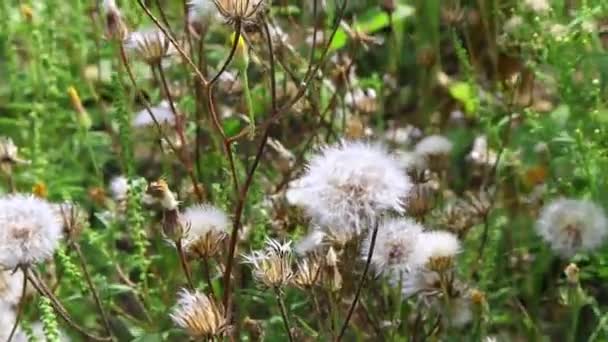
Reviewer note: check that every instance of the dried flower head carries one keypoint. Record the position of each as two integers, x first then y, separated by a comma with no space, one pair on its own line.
115,26
152,46
199,315
570,226
308,272
436,251
362,100
481,155
346,187
9,153
30,230
572,273
205,228
159,191
272,265
395,244
331,273
436,149
73,217
246,12
162,113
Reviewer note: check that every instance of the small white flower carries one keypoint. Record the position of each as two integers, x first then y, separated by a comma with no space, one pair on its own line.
199,315
435,245
434,145
481,154
395,244
119,187
29,230
205,227
570,226
346,187
162,113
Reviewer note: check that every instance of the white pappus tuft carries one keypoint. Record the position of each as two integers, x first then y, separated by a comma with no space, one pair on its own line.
434,145
119,187
11,286
395,244
29,230
346,187
161,112
435,245
570,225
205,227
202,11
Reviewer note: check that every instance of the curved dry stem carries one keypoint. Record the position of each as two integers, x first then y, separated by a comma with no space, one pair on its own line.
94,292
283,310
184,263
351,310
235,44
59,308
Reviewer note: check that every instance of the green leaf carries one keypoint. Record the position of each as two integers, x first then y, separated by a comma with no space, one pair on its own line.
465,94
370,22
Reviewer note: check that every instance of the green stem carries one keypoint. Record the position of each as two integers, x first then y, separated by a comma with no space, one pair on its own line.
249,101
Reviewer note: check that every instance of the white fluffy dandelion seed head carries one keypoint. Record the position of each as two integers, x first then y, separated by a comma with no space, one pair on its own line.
162,113
538,6
205,226
29,230
434,245
434,145
11,286
198,315
570,226
119,187
347,186
395,244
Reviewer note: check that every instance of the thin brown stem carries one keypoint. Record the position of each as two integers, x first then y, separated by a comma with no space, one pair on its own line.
283,310
94,292
20,306
207,274
351,310
44,291
184,263
235,44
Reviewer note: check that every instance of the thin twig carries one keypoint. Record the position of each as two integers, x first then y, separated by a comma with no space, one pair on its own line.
87,276
370,254
184,263
283,313
20,306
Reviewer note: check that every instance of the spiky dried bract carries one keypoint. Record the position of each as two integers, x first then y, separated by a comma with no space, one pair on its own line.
29,230
272,265
9,152
151,46
199,315
347,186
395,243
205,228
570,226
162,113
436,251
247,12
308,272
160,193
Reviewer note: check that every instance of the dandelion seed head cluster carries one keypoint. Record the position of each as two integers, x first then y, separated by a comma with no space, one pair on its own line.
205,227
395,244
30,230
347,186
570,226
